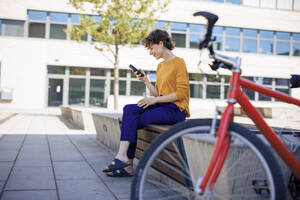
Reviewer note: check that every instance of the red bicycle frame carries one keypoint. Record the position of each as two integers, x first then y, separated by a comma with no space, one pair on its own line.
235,94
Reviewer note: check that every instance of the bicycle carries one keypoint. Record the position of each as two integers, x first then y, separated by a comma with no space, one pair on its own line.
217,159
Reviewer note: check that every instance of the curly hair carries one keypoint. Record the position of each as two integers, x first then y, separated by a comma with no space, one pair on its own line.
159,35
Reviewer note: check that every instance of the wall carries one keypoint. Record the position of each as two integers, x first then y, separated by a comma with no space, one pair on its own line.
24,60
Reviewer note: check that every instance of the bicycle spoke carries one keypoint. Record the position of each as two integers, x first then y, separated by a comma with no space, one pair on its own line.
234,164
162,188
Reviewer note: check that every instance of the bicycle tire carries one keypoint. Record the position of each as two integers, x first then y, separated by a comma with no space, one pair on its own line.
264,181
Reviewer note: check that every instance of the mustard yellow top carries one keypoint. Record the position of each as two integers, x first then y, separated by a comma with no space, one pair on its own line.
172,76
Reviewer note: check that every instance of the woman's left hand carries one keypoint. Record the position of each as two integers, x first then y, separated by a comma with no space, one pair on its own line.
145,102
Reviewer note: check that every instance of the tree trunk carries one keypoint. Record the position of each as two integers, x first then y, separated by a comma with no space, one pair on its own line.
116,78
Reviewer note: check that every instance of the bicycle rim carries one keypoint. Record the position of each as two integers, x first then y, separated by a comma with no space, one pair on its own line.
174,164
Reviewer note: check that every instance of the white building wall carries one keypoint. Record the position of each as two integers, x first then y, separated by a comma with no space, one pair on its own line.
24,60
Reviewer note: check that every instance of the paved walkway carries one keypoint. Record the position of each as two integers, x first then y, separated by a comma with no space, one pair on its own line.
43,157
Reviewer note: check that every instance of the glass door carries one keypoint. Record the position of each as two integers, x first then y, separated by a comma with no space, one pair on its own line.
55,92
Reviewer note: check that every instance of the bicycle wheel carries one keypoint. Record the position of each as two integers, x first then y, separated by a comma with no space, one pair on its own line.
173,165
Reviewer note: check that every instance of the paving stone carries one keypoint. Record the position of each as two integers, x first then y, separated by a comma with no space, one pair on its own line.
83,141
92,154
8,155
33,156
35,139
62,147
10,145
121,187
66,156
73,170
31,178
13,138
30,195
5,168
29,148
58,139
32,163
83,189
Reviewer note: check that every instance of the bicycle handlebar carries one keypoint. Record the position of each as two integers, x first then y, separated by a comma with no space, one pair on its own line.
211,19
219,60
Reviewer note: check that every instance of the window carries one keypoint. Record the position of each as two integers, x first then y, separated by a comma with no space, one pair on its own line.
37,24
266,42
283,43
37,30
0,27
161,25
175,26
249,40
122,73
59,17
37,15
77,71
196,34
179,33
76,91
137,88
13,28
57,26
122,87
282,85
56,70
296,44
196,90
75,20
232,39
196,85
239,2
218,33
97,72
179,39
213,87
97,91
57,31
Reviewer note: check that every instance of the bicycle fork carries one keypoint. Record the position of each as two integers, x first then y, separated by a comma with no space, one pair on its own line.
205,184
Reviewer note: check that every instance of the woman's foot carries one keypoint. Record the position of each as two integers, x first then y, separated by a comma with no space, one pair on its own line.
116,165
123,172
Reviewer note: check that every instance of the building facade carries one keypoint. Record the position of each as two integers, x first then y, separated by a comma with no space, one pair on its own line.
41,66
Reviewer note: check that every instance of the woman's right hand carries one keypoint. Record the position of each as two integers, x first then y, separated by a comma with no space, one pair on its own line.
141,78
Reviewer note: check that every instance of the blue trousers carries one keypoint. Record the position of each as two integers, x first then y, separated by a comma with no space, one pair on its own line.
135,118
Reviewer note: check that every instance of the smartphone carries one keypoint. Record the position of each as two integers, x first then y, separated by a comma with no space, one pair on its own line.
136,70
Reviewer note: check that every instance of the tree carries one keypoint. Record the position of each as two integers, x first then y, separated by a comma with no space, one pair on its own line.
122,22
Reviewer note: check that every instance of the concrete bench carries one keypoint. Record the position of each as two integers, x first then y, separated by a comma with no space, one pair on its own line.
82,118
108,129
73,115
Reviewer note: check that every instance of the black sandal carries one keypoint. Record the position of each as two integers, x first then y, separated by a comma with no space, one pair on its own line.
120,173
118,164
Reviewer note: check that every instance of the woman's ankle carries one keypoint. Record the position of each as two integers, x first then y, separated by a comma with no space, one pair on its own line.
122,158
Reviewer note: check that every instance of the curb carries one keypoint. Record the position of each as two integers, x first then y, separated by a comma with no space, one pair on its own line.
7,118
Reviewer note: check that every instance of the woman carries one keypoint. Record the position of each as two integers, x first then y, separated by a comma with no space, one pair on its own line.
169,105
